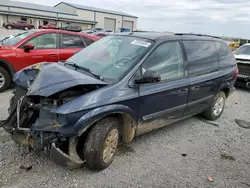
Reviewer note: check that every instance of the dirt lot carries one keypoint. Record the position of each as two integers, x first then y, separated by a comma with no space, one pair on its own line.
152,160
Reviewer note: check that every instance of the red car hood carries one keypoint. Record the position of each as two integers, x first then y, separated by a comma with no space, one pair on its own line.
6,48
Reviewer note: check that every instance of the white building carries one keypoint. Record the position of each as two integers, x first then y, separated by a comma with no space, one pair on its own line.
63,13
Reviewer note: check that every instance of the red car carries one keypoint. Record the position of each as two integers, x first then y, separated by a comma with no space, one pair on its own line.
48,26
18,25
34,46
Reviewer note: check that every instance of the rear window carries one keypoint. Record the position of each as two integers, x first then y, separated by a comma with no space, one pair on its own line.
225,55
202,57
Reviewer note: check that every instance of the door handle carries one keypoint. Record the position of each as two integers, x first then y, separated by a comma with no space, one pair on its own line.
183,91
195,88
53,55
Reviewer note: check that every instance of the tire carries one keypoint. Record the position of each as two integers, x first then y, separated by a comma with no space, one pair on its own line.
9,27
95,145
210,113
5,79
26,28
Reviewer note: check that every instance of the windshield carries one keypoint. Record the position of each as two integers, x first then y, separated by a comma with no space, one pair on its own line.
112,56
16,38
243,50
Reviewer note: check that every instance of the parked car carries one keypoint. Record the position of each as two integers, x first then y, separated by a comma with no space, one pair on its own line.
71,27
242,56
89,32
34,46
97,29
108,31
19,25
115,89
48,26
101,35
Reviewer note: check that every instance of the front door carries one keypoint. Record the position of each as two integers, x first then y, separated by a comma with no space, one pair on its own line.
46,50
164,102
70,45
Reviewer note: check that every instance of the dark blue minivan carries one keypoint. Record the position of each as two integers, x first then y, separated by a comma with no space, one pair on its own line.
117,88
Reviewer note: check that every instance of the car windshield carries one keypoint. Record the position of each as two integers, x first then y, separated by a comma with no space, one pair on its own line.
243,50
16,38
112,56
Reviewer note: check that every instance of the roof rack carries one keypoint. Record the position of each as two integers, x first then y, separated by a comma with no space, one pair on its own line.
193,34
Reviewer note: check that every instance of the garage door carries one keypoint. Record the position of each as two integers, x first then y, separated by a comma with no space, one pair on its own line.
128,24
109,23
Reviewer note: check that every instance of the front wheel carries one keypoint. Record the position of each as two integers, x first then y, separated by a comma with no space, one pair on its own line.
9,27
101,143
216,108
5,79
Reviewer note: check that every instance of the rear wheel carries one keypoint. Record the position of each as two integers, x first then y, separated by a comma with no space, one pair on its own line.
101,143
216,108
5,80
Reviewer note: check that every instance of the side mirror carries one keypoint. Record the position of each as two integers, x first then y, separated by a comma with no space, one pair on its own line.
28,47
148,77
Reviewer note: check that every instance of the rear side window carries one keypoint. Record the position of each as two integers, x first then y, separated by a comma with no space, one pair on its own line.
225,55
72,41
87,40
202,57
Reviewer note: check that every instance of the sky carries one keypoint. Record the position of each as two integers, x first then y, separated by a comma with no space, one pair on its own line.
214,17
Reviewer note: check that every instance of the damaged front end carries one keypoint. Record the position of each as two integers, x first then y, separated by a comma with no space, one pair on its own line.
33,121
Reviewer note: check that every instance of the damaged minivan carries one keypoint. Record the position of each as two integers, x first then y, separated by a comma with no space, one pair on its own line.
117,88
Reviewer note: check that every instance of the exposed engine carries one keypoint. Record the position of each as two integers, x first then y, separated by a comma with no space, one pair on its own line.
32,117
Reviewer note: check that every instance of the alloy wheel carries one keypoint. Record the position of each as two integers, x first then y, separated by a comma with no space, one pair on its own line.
218,106
2,80
110,146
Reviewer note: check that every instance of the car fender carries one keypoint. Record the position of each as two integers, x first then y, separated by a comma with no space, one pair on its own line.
6,64
226,85
91,117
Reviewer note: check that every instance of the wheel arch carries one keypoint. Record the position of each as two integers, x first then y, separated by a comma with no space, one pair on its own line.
124,114
226,88
8,67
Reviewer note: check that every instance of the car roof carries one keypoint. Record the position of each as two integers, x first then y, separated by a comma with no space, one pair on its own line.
168,36
65,32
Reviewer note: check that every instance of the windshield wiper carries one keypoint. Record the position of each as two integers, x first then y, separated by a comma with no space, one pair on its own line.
82,68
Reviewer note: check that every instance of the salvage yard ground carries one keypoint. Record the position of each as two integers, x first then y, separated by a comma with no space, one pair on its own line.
181,155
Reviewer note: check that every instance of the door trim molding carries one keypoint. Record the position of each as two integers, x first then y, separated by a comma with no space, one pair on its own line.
163,112
200,100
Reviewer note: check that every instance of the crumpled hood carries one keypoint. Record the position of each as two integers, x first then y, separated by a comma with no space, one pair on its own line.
245,57
54,78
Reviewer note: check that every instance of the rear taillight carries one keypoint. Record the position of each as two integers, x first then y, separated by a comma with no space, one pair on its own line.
236,72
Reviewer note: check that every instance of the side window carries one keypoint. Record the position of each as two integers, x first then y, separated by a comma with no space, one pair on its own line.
225,55
72,41
167,60
45,41
202,57
87,40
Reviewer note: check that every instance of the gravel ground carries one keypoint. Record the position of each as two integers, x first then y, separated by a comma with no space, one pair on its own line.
152,160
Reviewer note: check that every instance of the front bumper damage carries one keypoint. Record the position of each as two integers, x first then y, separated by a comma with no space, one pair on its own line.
39,129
